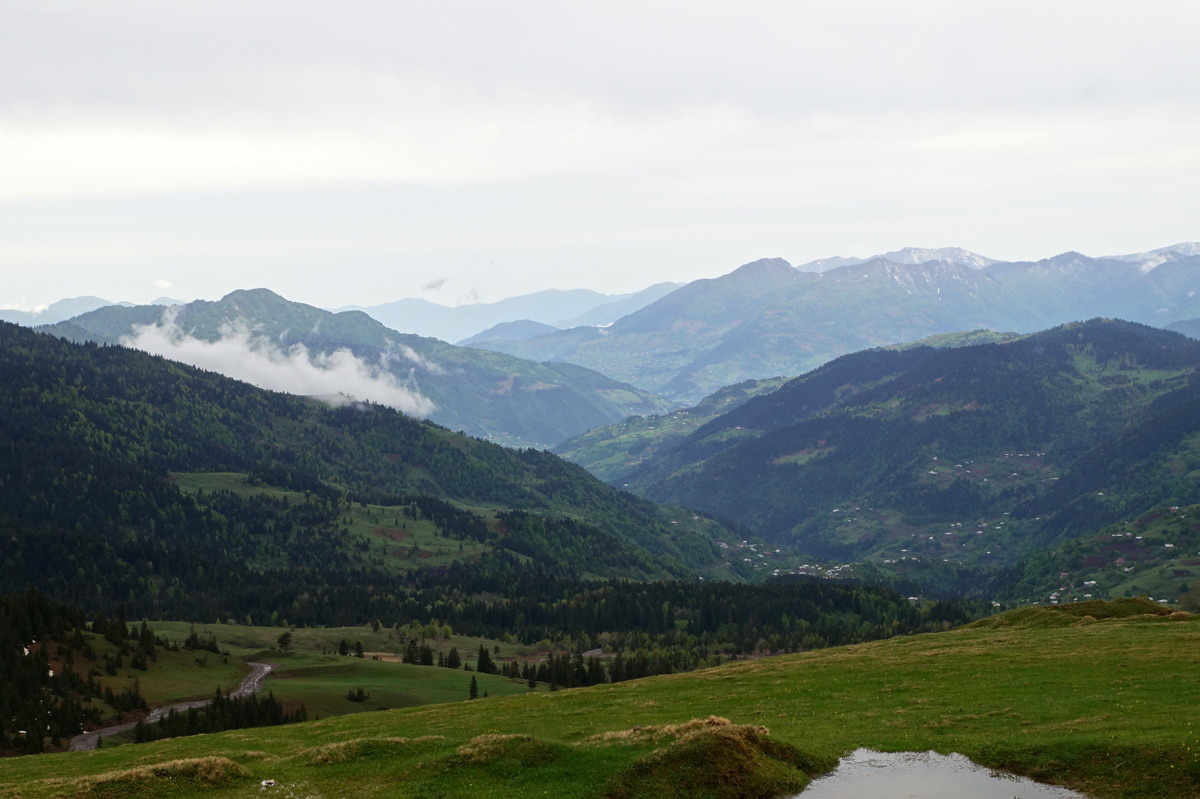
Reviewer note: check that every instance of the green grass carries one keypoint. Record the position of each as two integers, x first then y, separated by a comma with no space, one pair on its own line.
394,541
310,673
179,676
322,681
234,482
251,640
1105,705
170,678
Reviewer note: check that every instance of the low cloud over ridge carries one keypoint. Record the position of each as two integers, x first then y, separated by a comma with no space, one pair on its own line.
335,378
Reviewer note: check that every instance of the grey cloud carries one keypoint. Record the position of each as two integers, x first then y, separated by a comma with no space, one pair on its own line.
238,59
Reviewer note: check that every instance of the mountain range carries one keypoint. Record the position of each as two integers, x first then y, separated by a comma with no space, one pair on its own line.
906,255
935,459
554,307
768,318
54,312
611,451
258,333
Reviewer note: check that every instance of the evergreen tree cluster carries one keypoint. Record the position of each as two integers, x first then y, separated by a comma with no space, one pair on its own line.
42,704
222,713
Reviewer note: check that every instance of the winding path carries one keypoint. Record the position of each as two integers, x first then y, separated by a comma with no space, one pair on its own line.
252,684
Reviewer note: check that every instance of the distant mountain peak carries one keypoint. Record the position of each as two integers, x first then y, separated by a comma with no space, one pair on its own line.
953,255
1148,261
1183,248
908,256
257,294
1069,258
765,268
56,311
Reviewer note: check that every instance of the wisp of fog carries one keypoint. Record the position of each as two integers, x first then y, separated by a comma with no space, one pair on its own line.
336,378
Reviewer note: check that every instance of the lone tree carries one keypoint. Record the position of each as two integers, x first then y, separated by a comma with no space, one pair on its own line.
474,688
285,641
485,665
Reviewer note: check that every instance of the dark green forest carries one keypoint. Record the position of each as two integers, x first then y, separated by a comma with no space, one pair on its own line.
91,434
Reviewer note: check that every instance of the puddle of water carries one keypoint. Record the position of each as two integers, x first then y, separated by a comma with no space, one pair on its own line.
865,774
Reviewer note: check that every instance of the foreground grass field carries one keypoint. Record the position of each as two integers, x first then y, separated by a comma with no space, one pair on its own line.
1102,697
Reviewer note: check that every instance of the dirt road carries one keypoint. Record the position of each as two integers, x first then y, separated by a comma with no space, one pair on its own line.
252,684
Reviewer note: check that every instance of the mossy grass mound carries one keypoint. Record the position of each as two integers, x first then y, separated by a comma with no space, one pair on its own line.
173,778
713,758
366,749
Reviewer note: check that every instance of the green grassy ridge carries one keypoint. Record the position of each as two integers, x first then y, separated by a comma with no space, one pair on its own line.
322,682
1102,706
1074,613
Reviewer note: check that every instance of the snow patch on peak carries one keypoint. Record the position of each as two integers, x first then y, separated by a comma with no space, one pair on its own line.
1183,248
953,255
826,264
1147,261
908,256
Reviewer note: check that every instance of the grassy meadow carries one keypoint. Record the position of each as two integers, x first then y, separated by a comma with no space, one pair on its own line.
1102,697
310,672
390,538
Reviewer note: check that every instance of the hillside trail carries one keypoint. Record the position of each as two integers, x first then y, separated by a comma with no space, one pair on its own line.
252,684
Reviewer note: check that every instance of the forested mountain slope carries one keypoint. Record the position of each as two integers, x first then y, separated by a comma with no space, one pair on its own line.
969,456
612,451
97,442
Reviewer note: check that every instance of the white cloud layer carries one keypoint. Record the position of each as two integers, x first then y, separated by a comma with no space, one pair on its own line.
358,154
336,378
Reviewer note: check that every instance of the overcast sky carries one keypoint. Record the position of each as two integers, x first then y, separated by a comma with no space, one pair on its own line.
360,152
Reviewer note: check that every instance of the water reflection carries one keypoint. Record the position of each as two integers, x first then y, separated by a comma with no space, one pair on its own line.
865,774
